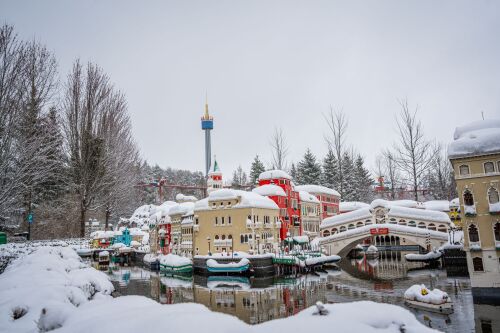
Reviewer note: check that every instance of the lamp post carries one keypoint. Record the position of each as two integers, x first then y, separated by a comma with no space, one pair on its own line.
208,239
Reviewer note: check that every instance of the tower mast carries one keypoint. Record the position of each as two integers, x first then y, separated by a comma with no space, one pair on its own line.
207,124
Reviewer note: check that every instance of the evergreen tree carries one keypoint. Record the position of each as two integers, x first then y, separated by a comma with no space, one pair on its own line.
330,177
348,185
363,181
256,169
308,170
239,178
293,172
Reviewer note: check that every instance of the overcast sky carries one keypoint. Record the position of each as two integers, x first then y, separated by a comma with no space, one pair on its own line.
277,63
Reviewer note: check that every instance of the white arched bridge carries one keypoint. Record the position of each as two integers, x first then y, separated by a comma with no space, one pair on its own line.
383,234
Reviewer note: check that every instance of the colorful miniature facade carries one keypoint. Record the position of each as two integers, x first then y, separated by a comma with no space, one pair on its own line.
329,199
310,208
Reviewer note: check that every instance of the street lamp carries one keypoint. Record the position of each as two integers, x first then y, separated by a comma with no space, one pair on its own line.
208,239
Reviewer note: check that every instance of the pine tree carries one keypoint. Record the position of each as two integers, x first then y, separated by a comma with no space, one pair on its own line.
330,177
256,169
348,185
239,178
293,172
308,170
363,181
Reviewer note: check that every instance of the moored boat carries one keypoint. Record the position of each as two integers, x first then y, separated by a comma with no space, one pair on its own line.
174,264
418,296
239,267
103,258
84,252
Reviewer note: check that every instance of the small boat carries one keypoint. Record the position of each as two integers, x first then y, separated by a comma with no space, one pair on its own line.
84,252
103,258
228,282
323,260
174,264
419,297
231,267
425,258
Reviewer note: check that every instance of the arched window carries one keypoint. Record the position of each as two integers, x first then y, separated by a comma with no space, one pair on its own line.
496,230
334,231
431,226
493,195
216,236
230,237
463,170
326,233
368,222
421,225
489,167
412,224
402,222
473,234
246,238
468,198
359,224
223,237
478,264
242,239
442,228
351,226
342,229
392,221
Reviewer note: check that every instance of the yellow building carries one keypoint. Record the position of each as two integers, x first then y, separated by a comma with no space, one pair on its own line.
232,220
475,156
177,214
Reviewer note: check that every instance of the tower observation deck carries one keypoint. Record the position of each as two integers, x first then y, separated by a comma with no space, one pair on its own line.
207,124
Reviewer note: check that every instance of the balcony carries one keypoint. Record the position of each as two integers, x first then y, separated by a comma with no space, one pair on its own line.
475,246
495,208
470,211
196,227
222,242
497,244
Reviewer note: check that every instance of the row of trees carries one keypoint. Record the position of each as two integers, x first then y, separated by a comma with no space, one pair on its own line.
62,145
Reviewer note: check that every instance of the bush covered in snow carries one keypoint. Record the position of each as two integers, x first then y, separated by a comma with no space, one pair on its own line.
42,289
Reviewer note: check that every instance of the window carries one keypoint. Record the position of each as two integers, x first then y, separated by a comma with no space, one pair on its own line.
421,225
442,228
230,237
463,170
478,264
489,167
216,220
351,226
342,229
229,220
196,221
468,198
216,237
359,224
412,224
402,222
496,231
223,237
326,233
493,195
431,227
242,239
473,234
222,220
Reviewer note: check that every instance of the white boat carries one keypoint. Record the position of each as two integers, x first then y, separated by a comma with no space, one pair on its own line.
84,252
445,308
418,296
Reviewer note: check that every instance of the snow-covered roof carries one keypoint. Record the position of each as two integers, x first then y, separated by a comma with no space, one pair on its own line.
102,234
184,198
437,205
308,197
455,203
349,206
477,138
355,215
269,190
245,199
419,214
182,209
399,203
274,174
317,189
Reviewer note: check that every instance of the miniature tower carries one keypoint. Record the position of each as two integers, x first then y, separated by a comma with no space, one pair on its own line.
207,124
214,181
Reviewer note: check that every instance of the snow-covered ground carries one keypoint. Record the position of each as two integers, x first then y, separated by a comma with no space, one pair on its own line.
51,288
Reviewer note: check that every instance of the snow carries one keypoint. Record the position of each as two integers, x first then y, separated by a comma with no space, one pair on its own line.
103,254
437,205
419,214
355,215
320,260
227,285
48,285
420,293
135,243
400,203
185,208
477,138
100,234
301,239
184,198
495,207
428,256
274,174
349,206
317,189
174,260
237,254
307,197
372,249
269,190
149,258
470,210
455,203
121,315
214,264
116,246
245,200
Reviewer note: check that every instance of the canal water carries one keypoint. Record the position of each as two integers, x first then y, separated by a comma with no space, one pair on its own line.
258,300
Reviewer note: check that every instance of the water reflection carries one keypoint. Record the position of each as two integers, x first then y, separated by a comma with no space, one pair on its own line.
257,300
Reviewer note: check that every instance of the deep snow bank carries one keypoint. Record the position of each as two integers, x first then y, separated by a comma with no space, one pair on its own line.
139,314
45,287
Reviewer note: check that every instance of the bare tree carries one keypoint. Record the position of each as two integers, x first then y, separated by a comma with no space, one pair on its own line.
414,155
441,179
279,149
335,139
385,166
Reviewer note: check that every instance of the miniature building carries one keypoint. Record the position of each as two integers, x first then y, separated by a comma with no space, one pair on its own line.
232,220
310,208
177,214
328,197
289,204
475,156
214,181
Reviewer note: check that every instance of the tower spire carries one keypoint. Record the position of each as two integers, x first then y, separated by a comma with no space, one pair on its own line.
206,106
